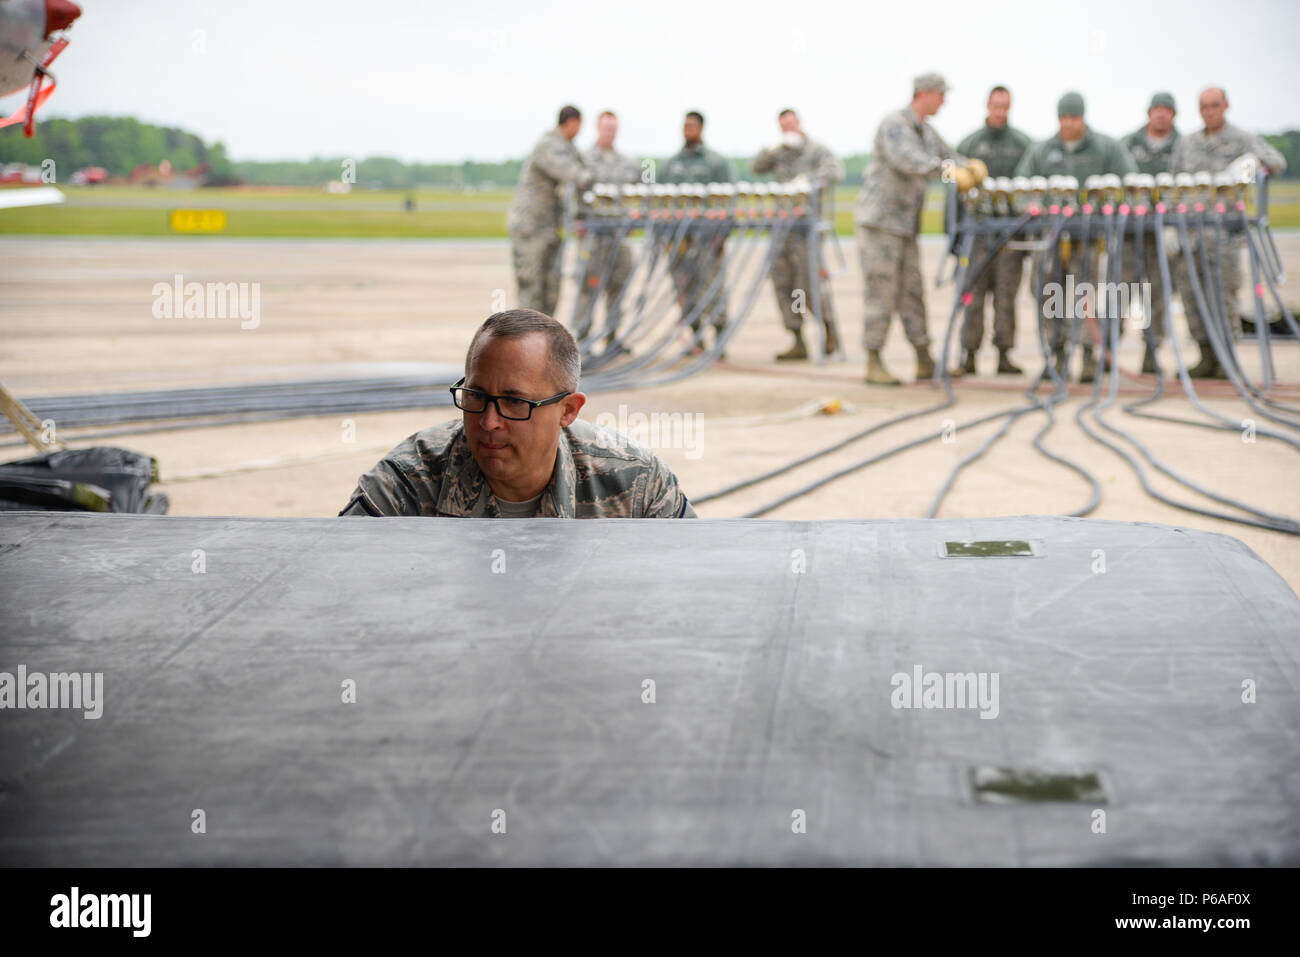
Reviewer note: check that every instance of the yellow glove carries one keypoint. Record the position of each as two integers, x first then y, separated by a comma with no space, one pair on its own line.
969,176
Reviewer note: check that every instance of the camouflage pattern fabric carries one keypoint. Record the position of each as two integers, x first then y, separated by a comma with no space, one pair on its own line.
536,260
1226,264
790,268
891,268
906,155
536,215
611,260
538,205
604,252
813,160
790,277
1215,152
611,166
598,473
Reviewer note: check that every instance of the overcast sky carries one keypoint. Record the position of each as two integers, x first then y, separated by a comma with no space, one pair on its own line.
436,81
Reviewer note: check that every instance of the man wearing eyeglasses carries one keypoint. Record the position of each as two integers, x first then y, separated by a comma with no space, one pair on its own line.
519,449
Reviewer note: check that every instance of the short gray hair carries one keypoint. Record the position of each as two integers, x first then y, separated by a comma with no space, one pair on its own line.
564,362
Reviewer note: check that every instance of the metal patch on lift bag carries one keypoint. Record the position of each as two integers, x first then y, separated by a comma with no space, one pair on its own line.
991,549
991,785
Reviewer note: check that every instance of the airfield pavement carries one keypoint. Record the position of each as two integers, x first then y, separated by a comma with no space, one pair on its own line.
76,316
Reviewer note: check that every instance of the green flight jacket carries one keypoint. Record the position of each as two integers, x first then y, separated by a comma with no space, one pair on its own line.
1095,155
1000,148
697,164
1151,159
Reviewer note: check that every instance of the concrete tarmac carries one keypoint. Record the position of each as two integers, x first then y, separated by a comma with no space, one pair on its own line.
76,315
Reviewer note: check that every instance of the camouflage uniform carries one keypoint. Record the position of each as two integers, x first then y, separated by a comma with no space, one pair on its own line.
598,474
1215,152
693,274
790,270
1000,148
605,252
536,216
1150,158
1094,155
906,155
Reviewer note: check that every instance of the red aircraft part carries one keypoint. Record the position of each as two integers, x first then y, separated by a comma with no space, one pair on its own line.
59,15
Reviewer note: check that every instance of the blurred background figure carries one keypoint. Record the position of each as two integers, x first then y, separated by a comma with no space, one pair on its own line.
537,212
1079,151
798,155
1000,146
609,261
1152,148
696,270
1215,148
906,154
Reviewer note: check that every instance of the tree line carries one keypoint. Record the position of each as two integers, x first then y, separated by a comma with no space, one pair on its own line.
120,144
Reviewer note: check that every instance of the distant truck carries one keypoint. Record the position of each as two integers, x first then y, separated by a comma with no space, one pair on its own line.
20,173
90,176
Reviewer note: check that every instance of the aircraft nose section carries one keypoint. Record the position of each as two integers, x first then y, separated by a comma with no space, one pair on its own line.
59,15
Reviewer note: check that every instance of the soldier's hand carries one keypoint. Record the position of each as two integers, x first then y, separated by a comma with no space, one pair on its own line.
966,177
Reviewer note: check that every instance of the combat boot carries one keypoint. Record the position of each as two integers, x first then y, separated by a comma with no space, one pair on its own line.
797,351
877,374
1089,371
1149,362
1005,365
967,366
832,340
924,364
1208,367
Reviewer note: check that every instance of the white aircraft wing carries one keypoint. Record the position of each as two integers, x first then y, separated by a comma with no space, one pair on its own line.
36,196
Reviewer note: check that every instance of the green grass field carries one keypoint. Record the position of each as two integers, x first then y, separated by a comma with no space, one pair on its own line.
448,214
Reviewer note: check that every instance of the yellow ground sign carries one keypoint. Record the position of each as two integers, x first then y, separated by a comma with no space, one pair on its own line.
198,220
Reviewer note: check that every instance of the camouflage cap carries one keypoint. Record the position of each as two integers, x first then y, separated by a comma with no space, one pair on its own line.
1162,99
930,81
1070,105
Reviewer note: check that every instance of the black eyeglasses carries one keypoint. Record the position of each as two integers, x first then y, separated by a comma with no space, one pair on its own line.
508,406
